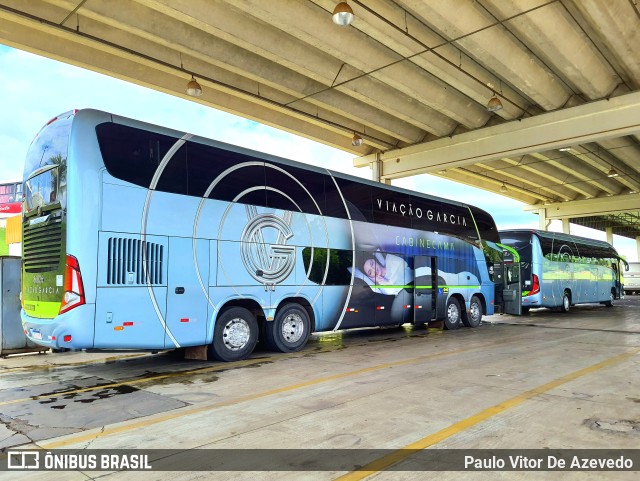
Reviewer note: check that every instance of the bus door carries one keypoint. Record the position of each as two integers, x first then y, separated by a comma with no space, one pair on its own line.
511,284
425,292
617,278
187,304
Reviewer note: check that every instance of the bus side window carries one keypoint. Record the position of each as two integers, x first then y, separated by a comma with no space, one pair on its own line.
512,274
340,263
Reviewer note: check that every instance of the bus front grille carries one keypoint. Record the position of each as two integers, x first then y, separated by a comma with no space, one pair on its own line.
129,260
42,246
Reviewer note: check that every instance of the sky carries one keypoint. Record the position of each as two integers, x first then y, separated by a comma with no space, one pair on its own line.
34,89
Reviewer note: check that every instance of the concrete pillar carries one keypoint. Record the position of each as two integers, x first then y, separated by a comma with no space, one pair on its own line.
376,171
638,247
376,168
566,228
543,222
609,231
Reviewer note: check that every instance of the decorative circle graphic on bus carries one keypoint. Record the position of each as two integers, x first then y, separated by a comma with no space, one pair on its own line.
565,253
267,263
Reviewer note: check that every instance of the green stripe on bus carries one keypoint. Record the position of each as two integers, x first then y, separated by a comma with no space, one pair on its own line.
514,253
382,286
578,276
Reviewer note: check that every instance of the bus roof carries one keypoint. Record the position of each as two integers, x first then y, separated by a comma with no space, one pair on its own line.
578,240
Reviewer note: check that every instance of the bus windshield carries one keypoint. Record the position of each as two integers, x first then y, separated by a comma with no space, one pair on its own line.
46,166
42,190
520,241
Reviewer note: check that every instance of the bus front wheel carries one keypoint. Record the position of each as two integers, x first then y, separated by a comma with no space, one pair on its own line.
474,318
290,329
235,335
453,314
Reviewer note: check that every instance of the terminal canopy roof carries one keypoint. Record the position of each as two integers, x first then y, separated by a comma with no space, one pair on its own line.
412,78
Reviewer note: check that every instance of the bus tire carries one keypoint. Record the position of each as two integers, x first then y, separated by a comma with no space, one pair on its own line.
453,317
566,302
525,311
290,329
235,335
612,298
474,317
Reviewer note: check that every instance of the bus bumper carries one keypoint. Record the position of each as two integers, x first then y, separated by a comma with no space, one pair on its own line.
532,301
71,330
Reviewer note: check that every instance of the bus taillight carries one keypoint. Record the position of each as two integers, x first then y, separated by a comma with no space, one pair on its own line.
536,285
73,289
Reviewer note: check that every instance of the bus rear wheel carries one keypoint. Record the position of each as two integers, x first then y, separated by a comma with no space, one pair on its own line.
566,302
235,335
474,318
453,314
612,298
290,329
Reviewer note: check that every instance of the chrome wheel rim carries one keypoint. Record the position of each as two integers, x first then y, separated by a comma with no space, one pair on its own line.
292,328
565,302
453,314
236,334
475,312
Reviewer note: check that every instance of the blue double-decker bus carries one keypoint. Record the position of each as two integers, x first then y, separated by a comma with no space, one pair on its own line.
140,237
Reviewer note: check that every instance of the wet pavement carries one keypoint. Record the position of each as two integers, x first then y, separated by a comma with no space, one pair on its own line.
545,380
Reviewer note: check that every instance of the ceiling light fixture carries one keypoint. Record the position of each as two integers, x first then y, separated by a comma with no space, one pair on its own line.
612,173
342,14
494,104
503,188
193,88
356,141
